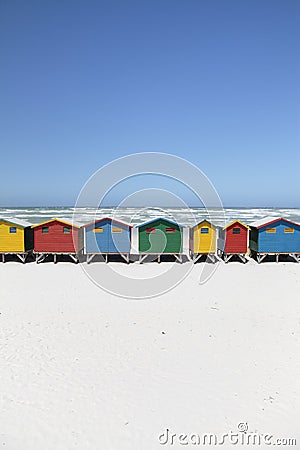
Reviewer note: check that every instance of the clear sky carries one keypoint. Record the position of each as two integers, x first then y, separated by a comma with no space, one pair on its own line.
215,82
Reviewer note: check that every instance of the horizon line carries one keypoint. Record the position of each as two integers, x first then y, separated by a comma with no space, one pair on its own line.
152,206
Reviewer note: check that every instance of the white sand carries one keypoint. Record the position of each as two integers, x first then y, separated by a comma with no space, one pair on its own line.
82,369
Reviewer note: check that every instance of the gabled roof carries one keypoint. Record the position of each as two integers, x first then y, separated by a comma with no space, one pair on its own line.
270,220
17,222
160,218
204,221
236,221
64,221
109,219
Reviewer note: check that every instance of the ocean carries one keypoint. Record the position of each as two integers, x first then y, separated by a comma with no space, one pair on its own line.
137,215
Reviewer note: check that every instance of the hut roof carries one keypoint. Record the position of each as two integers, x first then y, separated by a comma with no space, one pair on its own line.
64,221
269,220
202,221
17,222
107,218
236,221
160,218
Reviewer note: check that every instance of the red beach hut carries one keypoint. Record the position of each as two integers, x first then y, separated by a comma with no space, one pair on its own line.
236,235
56,236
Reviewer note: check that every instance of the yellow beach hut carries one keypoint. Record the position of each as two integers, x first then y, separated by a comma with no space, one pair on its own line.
203,241
16,237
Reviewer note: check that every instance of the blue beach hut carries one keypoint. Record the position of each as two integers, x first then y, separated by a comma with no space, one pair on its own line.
107,236
275,236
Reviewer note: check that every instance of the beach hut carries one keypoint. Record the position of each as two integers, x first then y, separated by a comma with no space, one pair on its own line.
107,236
275,236
16,238
234,240
160,236
203,237
56,237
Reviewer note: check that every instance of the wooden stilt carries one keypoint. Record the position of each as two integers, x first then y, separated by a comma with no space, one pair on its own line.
178,258
142,258
212,258
90,257
277,257
294,256
227,258
74,258
3,257
55,258
40,257
242,258
22,257
196,257
125,256
260,258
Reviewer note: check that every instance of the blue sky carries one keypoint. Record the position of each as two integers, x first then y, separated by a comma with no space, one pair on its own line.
215,82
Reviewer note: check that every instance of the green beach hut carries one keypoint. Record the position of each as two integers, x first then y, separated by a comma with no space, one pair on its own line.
160,236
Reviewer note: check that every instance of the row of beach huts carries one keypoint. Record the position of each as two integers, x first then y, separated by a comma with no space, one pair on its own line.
157,237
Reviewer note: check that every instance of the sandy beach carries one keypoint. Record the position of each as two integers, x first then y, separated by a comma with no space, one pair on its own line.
81,368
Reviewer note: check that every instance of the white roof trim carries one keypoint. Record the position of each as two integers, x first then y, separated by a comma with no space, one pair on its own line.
264,221
16,221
